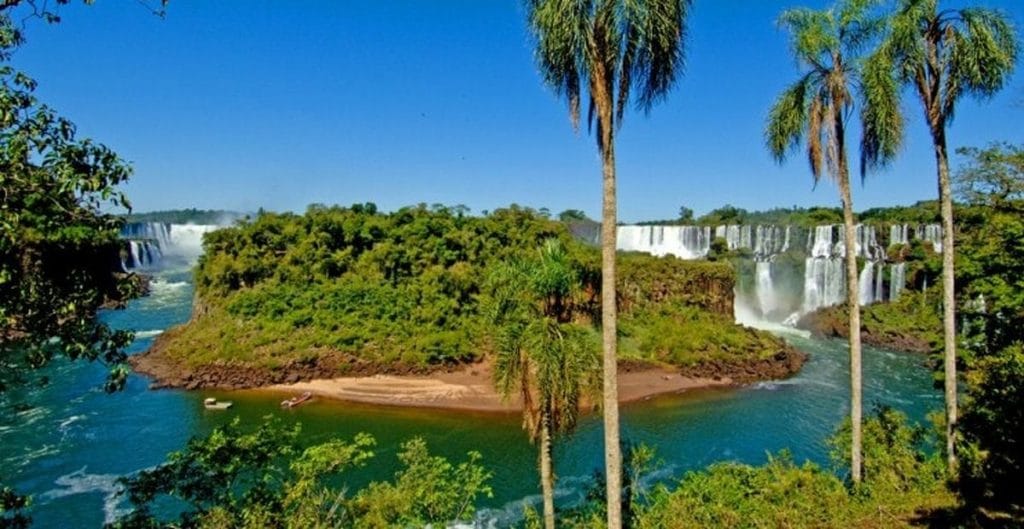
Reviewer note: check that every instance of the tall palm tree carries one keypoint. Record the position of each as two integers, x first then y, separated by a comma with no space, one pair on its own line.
943,55
827,45
614,51
548,363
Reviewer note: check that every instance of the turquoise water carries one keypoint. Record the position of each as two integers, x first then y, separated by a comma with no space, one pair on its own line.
69,448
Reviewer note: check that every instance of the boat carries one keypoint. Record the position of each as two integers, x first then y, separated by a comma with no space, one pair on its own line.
295,401
211,403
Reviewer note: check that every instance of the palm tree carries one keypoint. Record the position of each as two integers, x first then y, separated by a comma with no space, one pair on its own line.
541,357
944,55
827,45
613,50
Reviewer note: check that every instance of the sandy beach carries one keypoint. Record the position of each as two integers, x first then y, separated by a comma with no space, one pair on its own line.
471,388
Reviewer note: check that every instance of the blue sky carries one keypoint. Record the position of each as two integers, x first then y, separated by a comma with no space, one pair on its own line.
240,105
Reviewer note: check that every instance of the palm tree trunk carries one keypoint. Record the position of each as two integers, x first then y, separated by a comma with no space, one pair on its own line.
948,293
547,480
853,304
609,310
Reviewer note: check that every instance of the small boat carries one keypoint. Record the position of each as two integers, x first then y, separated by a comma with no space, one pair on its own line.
211,403
295,401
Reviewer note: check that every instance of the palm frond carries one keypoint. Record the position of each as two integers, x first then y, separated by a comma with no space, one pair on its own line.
881,116
785,128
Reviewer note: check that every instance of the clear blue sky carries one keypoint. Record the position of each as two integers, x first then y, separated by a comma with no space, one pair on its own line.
238,105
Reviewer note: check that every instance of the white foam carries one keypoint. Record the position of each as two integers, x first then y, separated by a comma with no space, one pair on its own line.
80,482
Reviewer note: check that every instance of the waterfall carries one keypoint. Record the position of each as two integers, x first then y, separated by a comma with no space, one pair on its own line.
931,233
879,286
898,280
684,242
824,283
899,234
866,284
824,275
149,243
765,287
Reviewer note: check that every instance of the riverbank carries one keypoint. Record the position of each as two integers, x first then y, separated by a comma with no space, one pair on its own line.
471,388
461,387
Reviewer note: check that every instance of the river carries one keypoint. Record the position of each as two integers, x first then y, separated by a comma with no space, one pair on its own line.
70,446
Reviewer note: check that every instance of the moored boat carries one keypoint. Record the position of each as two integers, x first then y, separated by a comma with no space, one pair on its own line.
295,401
211,403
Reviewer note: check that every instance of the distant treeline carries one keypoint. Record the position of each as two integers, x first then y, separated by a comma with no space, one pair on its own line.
922,212
187,216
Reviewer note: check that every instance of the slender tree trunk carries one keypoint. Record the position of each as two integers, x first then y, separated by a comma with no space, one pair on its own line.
853,303
948,293
547,480
609,309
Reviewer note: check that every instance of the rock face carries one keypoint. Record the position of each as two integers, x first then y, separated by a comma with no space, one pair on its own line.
783,364
644,280
833,322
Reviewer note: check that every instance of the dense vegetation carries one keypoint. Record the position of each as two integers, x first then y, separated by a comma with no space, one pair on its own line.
904,486
922,213
406,287
58,248
264,478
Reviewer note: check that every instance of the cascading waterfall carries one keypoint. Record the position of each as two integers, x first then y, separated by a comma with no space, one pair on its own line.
149,243
866,284
879,284
684,242
824,277
899,234
930,233
766,296
898,280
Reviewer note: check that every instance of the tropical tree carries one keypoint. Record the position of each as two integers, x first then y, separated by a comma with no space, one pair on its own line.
542,358
828,45
943,55
616,51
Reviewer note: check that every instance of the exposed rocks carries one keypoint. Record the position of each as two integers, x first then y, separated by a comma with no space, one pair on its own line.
832,322
782,364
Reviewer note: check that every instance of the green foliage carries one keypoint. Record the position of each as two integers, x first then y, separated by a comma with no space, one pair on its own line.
993,427
397,287
634,50
58,248
265,479
542,357
828,45
645,282
726,214
572,214
898,457
428,490
912,323
948,53
408,287
679,335
12,509
922,212
900,479
993,176
990,257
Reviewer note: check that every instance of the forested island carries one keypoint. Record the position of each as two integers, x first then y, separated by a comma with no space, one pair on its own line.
354,291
